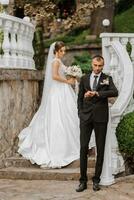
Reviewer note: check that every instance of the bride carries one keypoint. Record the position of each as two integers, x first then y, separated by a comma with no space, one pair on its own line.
52,137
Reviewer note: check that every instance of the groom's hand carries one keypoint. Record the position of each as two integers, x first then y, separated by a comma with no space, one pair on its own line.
90,94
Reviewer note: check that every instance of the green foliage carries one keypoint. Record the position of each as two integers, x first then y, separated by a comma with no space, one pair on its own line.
129,48
74,37
1,41
123,5
124,23
38,46
77,31
84,61
125,134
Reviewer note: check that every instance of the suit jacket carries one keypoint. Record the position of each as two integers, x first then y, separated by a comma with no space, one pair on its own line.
95,108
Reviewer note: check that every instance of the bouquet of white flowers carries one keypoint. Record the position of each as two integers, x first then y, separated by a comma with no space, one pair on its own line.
73,71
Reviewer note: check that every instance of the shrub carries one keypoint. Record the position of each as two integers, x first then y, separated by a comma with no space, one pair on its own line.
125,137
125,134
84,61
38,46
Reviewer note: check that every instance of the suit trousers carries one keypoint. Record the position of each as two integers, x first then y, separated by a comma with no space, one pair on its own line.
100,129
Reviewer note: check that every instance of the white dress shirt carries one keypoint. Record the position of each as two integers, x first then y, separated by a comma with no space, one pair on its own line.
92,78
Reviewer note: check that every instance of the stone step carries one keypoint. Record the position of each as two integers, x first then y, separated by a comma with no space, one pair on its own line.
62,174
22,162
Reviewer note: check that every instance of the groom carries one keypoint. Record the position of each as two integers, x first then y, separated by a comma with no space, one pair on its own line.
95,88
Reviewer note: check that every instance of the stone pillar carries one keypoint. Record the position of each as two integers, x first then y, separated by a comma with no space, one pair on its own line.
19,99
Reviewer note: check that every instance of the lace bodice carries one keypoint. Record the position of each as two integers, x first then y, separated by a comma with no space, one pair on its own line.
62,67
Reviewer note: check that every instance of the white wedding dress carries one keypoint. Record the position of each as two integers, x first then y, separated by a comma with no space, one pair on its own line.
52,138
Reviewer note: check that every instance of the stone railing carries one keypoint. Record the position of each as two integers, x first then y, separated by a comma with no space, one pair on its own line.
16,50
119,63
123,38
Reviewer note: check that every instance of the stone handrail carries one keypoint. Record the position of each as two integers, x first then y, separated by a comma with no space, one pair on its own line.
125,85
120,65
123,38
16,50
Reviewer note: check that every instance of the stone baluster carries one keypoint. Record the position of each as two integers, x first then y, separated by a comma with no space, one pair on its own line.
6,43
21,46
14,50
105,52
115,38
117,160
31,50
107,177
124,41
28,47
25,47
1,30
117,72
114,66
113,62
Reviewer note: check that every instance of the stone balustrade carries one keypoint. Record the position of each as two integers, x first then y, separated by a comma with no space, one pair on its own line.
16,50
118,53
124,38
120,64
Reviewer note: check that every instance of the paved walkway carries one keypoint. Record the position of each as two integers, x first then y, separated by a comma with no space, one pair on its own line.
123,189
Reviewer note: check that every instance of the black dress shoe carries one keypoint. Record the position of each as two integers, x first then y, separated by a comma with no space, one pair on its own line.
96,187
81,187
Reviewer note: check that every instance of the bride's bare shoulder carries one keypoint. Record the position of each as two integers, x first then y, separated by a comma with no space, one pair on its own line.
56,61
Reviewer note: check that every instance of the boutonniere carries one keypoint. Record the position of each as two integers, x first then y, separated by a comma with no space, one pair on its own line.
105,81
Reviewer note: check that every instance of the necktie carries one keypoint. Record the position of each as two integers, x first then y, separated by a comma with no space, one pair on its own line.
95,82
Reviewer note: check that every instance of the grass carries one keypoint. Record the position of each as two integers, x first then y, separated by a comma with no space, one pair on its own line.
124,23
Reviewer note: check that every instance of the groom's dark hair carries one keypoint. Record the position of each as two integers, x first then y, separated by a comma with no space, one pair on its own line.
98,57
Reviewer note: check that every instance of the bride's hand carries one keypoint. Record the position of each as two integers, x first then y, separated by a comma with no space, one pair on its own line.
71,81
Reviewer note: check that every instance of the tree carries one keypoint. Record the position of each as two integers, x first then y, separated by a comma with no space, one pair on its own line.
102,13
123,5
82,16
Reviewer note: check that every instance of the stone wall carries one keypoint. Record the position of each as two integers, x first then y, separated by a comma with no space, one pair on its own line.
72,51
92,49
20,93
